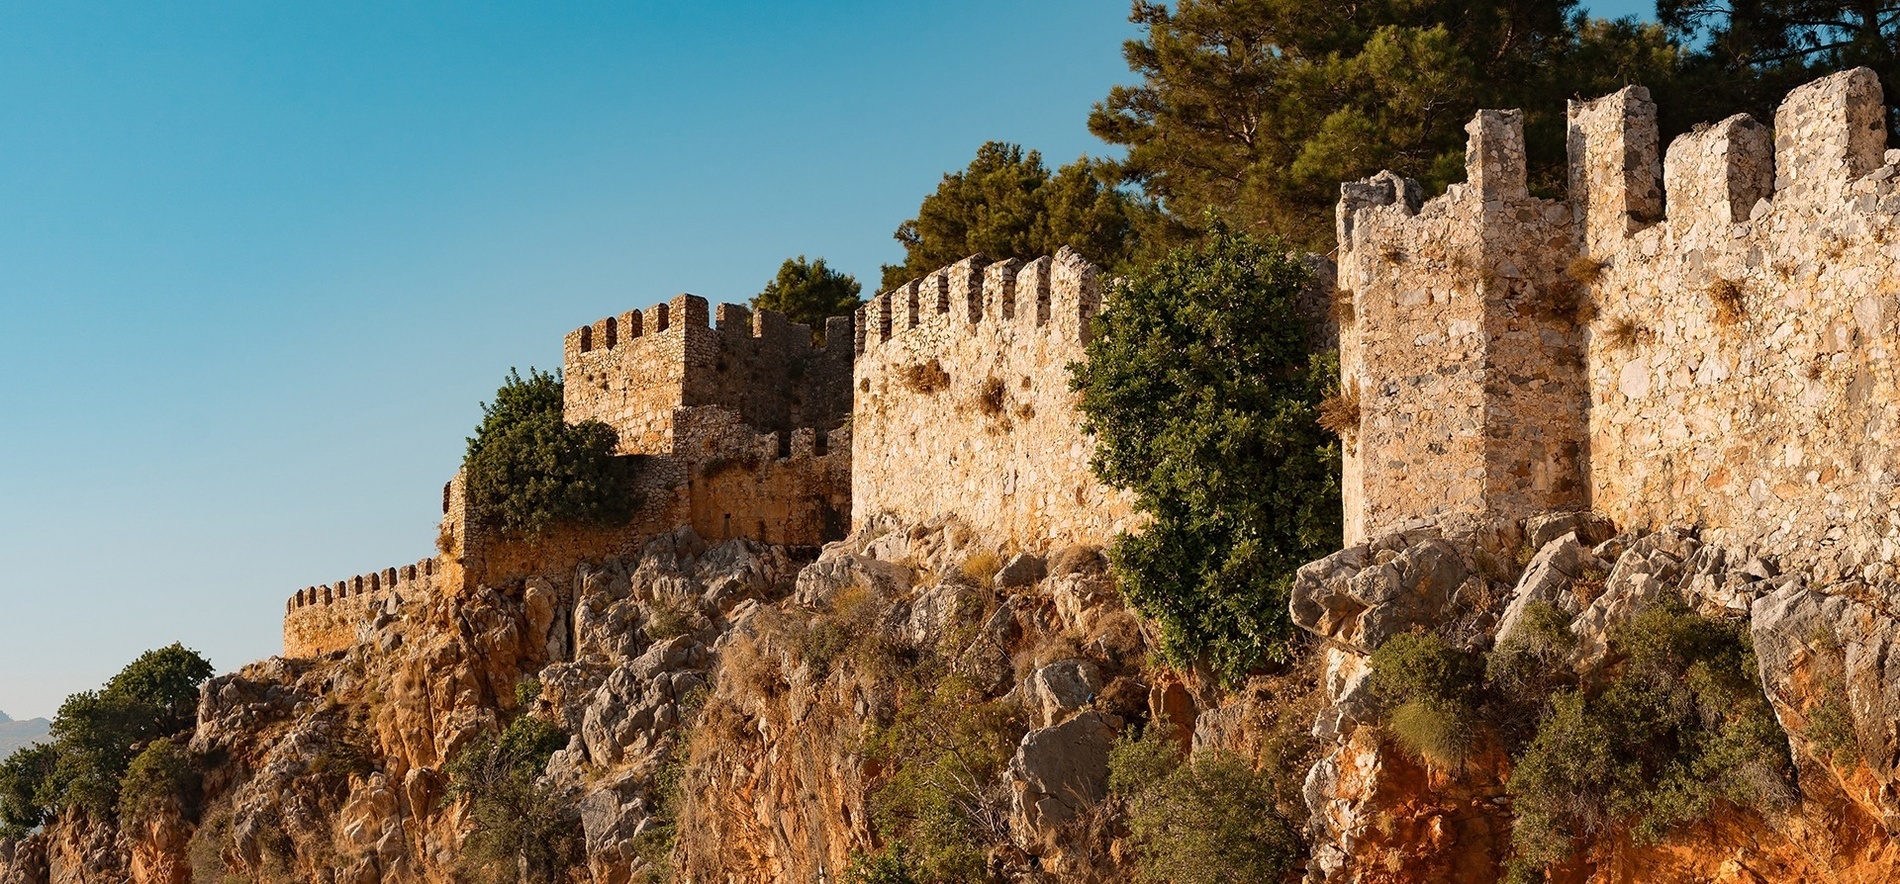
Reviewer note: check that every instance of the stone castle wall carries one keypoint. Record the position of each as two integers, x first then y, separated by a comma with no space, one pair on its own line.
631,371
1737,372
963,403
321,619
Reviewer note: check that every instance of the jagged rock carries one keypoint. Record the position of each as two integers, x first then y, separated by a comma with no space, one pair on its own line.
1590,528
1650,567
1022,569
1346,677
1059,773
1056,690
819,582
1816,648
1548,579
938,610
1363,595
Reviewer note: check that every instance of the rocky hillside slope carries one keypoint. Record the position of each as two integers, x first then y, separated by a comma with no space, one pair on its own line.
914,698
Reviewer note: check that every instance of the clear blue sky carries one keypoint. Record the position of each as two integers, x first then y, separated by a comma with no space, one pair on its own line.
259,263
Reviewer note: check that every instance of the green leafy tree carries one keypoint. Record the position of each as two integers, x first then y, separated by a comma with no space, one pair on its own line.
528,470
810,293
521,826
97,734
1006,204
1208,818
160,778
1256,111
1203,392
23,778
1746,55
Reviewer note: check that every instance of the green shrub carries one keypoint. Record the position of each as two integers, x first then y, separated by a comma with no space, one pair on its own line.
1211,819
892,865
942,794
516,820
161,778
1831,730
1430,691
1523,673
529,471
1680,726
1203,396
96,734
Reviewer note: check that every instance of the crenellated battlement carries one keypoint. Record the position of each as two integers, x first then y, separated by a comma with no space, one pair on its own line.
1055,296
1704,333
322,619
963,402
630,371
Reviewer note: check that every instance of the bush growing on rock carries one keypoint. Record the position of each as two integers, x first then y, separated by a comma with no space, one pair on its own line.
518,823
1203,393
1209,818
528,470
942,801
1430,691
1680,726
162,777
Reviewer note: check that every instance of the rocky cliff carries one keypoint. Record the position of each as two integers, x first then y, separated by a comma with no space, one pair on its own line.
916,697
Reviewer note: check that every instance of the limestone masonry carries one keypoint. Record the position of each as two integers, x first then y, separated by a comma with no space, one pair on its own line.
963,403
740,429
1706,335
950,394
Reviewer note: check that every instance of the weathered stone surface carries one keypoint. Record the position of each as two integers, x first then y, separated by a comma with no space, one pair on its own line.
1056,690
1059,773
1548,579
1363,595
1022,569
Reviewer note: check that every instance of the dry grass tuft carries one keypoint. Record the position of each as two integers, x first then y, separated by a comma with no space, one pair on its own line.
1342,306
992,398
980,567
1726,295
925,377
1584,270
1339,413
1622,332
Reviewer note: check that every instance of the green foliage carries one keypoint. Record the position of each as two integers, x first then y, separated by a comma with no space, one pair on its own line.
96,734
1256,111
942,795
1429,689
1006,204
527,691
23,778
892,865
529,470
1203,396
162,777
516,820
1745,56
1211,819
809,293
1680,726
1523,672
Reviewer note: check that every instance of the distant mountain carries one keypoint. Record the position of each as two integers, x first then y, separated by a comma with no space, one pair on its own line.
20,734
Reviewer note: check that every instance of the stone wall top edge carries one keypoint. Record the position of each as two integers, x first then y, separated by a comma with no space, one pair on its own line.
639,329
366,584
1048,292
1826,135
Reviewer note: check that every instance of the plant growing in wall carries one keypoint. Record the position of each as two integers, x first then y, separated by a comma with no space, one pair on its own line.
528,470
1203,392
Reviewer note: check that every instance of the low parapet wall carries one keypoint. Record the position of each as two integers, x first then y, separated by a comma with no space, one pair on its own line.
321,619
963,403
